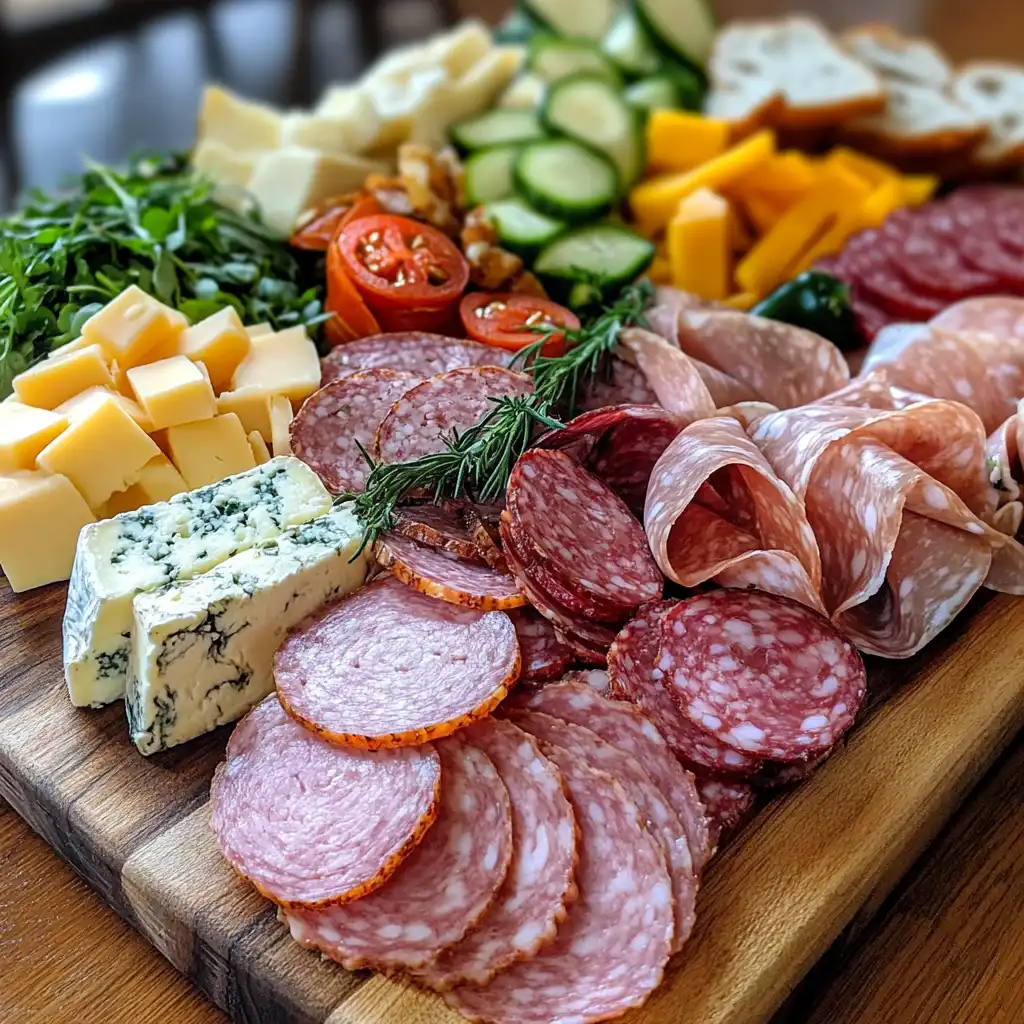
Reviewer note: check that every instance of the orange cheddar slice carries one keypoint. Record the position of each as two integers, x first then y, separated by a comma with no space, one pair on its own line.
679,141
698,245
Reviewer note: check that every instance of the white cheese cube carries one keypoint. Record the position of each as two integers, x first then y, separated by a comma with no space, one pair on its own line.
353,107
241,125
230,170
462,47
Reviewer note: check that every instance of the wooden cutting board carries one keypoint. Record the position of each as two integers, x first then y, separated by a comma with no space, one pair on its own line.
813,863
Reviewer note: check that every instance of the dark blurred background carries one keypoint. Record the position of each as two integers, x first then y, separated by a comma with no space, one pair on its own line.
106,77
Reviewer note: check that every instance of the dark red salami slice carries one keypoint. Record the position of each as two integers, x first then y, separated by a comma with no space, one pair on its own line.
544,656
626,728
595,679
893,295
390,667
610,952
447,577
485,537
986,254
869,318
624,384
541,876
443,888
420,421
424,355
438,526
352,816
763,675
1008,222
777,776
728,804
933,266
333,422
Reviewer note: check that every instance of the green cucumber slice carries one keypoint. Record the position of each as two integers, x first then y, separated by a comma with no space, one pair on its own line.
587,18
498,127
551,58
522,229
566,180
489,174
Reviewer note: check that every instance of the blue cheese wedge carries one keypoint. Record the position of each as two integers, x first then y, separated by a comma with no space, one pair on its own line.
202,650
137,552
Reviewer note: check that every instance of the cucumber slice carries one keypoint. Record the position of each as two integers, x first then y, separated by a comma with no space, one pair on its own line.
586,108
587,18
552,58
659,92
682,29
489,174
564,179
522,229
496,128
627,45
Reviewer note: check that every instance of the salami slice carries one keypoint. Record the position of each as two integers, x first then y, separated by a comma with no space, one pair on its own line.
671,374
442,889
421,354
777,776
894,296
352,816
595,679
986,254
437,526
729,803
486,539
389,667
624,385
868,317
764,676
541,876
932,265
630,731
610,952
419,422
544,656
334,421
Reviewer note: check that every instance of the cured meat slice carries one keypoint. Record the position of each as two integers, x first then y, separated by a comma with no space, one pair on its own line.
657,812
544,656
582,530
630,731
389,667
774,550
624,385
541,876
894,296
424,355
1004,468
776,776
352,816
671,374
437,526
334,421
931,263
868,317
595,679
441,891
986,254
610,952
485,538
746,414
448,577
870,393
764,676
728,803
419,422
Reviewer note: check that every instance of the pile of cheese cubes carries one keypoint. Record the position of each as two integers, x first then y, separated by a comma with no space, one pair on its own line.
139,408
736,219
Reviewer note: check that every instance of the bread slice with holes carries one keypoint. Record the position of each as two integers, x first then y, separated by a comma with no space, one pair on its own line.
898,57
994,92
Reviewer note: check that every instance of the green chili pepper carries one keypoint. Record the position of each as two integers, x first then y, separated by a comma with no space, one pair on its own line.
817,302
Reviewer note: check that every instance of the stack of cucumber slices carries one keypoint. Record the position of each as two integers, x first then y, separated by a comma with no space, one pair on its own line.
555,161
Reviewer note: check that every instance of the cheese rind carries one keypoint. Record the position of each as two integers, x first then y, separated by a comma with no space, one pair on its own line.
203,649
139,551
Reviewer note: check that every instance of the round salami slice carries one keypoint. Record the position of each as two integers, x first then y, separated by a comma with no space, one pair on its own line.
624,385
868,317
596,679
437,526
443,888
544,656
420,421
334,421
610,952
891,294
728,804
763,675
486,538
930,264
986,254
424,355
541,876
630,731
777,776
390,667
352,816
448,577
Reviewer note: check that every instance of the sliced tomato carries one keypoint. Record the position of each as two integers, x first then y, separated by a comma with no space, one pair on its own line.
332,215
352,317
400,264
510,321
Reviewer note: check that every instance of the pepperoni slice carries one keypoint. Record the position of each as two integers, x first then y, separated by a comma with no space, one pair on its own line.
891,294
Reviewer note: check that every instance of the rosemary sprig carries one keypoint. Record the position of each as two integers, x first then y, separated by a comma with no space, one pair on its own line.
477,462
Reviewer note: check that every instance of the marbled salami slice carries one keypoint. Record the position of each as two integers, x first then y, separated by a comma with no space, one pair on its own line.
540,882
610,952
443,888
419,422
764,676
671,374
352,816
485,537
438,526
544,656
728,803
334,421
624,385
630,731
390,667
596,679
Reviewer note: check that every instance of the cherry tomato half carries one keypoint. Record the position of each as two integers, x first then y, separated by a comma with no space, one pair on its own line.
505,320
333,214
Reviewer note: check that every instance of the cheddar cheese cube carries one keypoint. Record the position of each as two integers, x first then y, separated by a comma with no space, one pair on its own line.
280,424
24,432
129,327
53,381
220,343
210,450
678,140
102,450
260,451
286,363
173,391
73,407
252,406
158,481
699,249
72,346
258,330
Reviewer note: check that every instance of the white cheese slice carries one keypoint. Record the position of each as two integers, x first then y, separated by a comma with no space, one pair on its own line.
243,126
203,649
137,552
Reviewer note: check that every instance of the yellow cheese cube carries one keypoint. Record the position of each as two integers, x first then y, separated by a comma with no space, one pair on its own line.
158,481
129,327
678,140
101,451
251,406
210,450
918,188
285,362
698,245
258,330
260,451
72,346
24,432
280,423
785,176
82,402
173,391
763,211
53,381
220,343
873,171
41,516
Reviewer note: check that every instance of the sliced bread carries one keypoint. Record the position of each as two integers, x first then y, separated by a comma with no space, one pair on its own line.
897,57
994,92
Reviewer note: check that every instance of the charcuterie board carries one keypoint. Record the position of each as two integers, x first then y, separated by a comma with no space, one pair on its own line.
810,865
